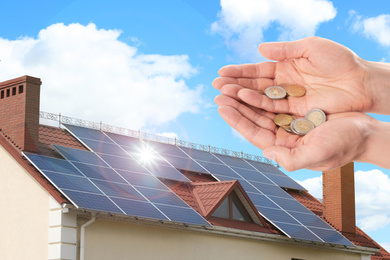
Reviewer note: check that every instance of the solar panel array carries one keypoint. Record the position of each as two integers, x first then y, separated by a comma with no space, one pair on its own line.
89,182
114,178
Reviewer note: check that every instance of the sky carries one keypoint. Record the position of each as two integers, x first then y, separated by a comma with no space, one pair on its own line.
148,65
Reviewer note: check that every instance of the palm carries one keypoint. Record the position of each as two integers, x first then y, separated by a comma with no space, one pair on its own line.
332,77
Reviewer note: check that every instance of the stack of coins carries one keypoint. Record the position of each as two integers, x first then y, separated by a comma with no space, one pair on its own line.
299,126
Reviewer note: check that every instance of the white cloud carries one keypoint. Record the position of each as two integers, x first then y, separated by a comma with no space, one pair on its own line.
242,23
376,28
88,73
313,185
372,197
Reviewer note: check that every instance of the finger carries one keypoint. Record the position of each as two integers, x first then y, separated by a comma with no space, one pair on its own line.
287,50
231,90
258,136
256,99
259,70
259,117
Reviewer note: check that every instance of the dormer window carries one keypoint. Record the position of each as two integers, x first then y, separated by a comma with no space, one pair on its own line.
232,208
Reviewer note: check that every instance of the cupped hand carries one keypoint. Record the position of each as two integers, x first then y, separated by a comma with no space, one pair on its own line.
334,78
341,139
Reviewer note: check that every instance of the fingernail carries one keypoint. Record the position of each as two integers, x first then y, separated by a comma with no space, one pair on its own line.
270,155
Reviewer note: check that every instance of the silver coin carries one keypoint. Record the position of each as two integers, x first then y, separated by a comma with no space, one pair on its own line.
275,92
301,126
316,116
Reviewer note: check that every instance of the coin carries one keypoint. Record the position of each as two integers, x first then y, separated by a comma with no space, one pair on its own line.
301,126
275,92
287,128
283,119
316,116
294,90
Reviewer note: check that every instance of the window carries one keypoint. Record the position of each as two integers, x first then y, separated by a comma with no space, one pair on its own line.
232,208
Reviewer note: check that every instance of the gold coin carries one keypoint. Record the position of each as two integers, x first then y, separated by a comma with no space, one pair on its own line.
283,119
294,90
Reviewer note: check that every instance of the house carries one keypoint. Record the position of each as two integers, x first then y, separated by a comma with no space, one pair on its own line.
84,190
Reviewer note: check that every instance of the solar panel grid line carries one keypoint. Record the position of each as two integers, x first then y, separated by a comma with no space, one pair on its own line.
91,181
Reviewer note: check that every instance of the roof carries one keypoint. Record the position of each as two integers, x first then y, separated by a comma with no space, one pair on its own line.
204,194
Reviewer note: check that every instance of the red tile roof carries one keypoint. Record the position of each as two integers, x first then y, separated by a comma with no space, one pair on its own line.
49,135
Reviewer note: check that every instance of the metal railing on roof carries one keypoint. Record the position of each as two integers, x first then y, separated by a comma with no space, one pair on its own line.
151,137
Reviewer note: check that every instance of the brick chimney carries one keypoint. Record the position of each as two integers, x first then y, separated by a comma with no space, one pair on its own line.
19,111
339,198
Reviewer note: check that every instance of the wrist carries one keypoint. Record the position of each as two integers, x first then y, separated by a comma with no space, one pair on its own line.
377,86
376,145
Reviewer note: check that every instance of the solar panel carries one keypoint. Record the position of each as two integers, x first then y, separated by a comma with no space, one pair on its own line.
112,192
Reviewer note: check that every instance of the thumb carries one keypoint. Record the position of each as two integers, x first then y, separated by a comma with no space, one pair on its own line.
287,50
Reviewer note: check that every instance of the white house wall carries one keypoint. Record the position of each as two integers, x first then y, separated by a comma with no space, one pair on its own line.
24,213
116,240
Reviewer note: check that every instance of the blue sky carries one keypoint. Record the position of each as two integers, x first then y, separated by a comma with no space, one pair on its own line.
149,65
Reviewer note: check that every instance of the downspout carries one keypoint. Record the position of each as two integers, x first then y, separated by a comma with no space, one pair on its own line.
82,235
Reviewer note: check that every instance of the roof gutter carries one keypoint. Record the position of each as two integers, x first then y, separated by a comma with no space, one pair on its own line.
82,235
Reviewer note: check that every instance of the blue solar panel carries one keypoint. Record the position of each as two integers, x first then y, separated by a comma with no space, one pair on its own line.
122,163
277,215
169,149
99,172
162,197
139,209
309,219
53,164
82,132
284,181
297,231
71,182
143,180
270,190
92,201
184,163
289,204
331,236
201,155
234,162
126,141
265,168
252,175
166,172
77,155
120,190
104,148
262,201
179,214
